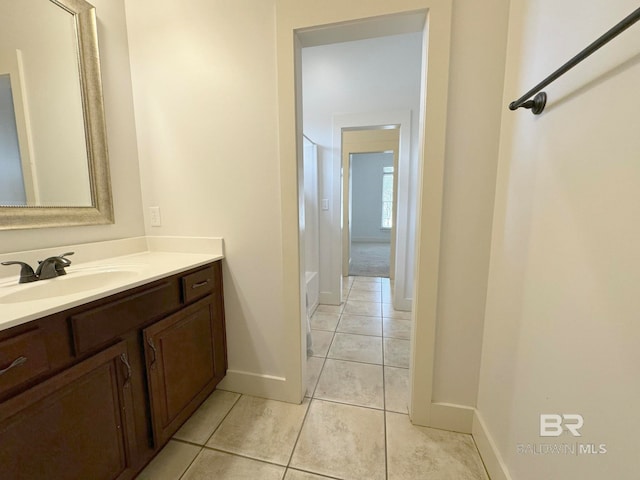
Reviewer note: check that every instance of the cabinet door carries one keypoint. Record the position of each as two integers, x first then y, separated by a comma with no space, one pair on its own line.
74,425
181,356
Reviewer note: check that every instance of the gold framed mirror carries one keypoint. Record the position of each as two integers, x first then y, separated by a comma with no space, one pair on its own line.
56,110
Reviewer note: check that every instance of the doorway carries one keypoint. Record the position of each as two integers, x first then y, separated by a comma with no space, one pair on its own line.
369,199
303,25
361,156
370,214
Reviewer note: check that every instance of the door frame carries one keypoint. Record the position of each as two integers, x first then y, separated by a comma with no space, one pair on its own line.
293,18
402,180
358,140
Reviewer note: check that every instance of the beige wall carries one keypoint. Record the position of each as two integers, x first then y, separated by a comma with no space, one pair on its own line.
478,47
206,109
293,15
121,137
206,112
204,76
561,327
363,88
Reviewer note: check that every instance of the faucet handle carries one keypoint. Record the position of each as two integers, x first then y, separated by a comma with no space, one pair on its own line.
64,262
51,267
26,272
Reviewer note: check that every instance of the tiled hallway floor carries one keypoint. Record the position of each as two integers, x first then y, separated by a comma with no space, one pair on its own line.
353,425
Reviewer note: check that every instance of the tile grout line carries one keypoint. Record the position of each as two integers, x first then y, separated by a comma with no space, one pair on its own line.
384,413
347,404
358,361
311,398
361,334
240,395
384,403
190,463
304,419
313,473
324,361
247,457
202,447
326,357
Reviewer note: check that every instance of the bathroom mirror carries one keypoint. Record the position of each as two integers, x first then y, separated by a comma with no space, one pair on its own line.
53,151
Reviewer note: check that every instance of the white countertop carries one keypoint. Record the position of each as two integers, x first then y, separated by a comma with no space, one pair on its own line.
138,268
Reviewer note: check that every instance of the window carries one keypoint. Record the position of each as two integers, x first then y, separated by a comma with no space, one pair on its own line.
387,197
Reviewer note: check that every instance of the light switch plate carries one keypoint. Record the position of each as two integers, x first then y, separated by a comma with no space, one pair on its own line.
325,204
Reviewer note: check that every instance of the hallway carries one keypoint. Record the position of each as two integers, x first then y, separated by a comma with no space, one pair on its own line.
352,425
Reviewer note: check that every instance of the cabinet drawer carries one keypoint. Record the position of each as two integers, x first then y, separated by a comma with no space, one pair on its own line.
99,325
22,358
198,284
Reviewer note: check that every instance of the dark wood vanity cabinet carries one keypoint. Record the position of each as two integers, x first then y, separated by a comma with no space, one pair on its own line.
77,424
105,385
181,362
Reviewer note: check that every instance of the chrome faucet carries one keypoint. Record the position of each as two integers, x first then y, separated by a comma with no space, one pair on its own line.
48,268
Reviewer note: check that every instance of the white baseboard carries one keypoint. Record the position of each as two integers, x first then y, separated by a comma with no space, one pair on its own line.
313,308
486,446
257,385
403,304
448,416
386,239
313,292
445,416
329,298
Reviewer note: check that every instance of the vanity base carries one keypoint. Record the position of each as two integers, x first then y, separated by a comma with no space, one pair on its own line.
105,385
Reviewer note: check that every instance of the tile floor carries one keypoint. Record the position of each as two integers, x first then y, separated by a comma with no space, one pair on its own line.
353,425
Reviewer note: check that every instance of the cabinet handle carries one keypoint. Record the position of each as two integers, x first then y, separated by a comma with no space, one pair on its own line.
153,349
123,359
200,284
16,363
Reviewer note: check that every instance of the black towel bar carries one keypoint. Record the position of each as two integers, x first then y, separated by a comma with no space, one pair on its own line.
538,102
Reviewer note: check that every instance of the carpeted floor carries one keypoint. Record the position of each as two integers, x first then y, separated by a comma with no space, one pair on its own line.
370,259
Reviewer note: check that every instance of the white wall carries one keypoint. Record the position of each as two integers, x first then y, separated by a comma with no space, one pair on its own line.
204,77
366,197
311,207
475,93
359,77
206,109
125,178
311,217
478,45
561,327
206,113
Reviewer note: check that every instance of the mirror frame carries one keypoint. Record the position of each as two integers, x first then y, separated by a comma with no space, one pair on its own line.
101,210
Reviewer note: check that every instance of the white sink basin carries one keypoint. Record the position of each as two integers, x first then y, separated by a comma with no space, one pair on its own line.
72,283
